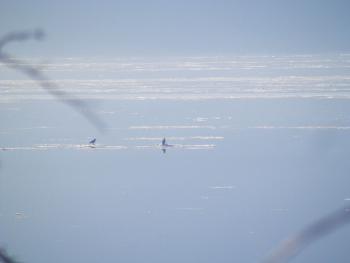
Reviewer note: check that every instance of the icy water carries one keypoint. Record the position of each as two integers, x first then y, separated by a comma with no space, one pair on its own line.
260,149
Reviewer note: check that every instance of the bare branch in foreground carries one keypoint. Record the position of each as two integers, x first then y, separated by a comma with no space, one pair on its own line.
292,246
36,74
6,258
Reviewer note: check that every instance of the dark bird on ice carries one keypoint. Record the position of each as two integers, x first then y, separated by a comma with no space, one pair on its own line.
92,141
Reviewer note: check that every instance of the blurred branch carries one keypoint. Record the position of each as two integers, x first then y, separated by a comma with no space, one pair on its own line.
292,246
6,258
36,74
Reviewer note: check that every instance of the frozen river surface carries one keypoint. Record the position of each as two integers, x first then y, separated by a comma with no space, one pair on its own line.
260,149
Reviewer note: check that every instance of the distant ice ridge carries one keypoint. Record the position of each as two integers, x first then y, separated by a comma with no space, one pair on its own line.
192,63
186,89
191,78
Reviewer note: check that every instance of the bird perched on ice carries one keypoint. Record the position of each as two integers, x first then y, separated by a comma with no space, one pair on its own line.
164,142
92,142
165,145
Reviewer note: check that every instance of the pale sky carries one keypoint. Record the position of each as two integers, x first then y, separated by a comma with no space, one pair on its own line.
182,27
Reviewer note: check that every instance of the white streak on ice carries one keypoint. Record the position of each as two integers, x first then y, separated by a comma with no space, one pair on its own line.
302,127
224,187
174,138
169,127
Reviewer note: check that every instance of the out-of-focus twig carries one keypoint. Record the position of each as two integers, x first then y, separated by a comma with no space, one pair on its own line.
292,246
36,74
6,258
